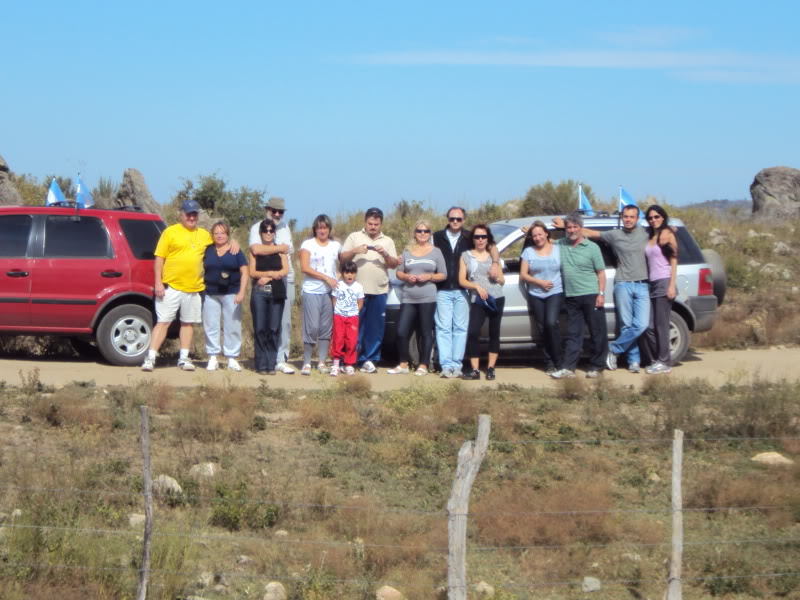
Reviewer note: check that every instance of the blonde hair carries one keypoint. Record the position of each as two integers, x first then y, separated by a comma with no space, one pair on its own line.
425,225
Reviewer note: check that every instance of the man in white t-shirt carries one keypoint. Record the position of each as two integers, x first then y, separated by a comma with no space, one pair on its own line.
275,209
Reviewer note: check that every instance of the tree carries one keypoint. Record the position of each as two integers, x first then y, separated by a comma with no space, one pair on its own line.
549,199
106,189
238,208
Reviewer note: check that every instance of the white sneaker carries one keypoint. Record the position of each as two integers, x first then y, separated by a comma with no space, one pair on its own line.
185,364
398,370
148,364
306,370
334,371
323,368
212,363
284,368
563,374
348,370
368,367
234,365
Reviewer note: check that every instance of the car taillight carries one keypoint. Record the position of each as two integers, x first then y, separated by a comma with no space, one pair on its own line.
705,286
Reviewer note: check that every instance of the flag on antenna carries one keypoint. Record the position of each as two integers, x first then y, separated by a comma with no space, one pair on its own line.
583,203
83,196
54,193
625,199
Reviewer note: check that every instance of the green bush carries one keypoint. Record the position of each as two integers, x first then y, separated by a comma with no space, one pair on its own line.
234,509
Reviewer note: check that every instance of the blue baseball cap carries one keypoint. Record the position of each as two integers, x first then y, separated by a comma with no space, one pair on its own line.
190,206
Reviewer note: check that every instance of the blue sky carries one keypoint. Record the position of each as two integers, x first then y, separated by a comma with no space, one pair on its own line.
339,106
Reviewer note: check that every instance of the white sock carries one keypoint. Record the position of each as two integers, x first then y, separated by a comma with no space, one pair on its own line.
336,362
151,354
184,353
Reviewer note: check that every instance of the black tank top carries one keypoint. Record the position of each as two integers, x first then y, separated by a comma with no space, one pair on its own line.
272,262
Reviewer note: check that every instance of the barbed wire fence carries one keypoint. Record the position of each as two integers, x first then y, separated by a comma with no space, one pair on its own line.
470,457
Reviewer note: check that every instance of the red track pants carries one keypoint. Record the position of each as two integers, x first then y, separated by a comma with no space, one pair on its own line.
345,338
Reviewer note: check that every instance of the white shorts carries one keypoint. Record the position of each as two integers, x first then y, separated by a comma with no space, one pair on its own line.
188,303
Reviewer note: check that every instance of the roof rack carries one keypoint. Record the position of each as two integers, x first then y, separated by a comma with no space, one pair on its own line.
129,208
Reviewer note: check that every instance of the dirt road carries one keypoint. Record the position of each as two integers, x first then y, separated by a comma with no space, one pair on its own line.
716,367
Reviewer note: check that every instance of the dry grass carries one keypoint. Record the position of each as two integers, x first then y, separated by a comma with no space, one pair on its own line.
69,407
213,414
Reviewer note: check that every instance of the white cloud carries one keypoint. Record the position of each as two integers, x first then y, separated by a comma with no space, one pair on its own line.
651,36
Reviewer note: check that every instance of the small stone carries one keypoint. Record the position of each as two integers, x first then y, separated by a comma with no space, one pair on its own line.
782,249
388,593
244,559
281,533
275,591
795,289
653,476
483,590
207,469
164,484
753,263
632,557
772,459
135,520
591,584
16,513
206,579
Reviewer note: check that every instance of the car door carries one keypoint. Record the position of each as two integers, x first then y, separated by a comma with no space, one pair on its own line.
77,263
15,271
515,328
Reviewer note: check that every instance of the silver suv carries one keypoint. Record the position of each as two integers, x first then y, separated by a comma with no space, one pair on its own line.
701,288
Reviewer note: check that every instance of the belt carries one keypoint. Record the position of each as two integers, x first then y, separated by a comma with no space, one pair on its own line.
637,281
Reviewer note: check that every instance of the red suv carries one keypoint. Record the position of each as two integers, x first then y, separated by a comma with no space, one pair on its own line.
83,273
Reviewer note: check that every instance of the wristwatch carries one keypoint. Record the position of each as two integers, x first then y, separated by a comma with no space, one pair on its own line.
602,293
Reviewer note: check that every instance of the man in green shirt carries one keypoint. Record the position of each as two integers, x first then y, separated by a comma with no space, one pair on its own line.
584,275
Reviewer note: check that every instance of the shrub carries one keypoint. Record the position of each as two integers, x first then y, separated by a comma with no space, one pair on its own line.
234,509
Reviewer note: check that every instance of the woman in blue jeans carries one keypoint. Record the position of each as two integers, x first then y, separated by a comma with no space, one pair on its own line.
268,296
540,268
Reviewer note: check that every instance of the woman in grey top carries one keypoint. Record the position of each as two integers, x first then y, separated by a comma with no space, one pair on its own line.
486,299
421,266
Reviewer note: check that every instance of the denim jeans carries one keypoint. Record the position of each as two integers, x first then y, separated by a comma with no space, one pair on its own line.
452,321
580,310
286,324
371,323
546,313
632,301
216,308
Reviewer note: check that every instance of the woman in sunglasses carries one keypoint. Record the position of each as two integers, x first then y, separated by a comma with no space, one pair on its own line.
421,266
267,299
486,299
662,268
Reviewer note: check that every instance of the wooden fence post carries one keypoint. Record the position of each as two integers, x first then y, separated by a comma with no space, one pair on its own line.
674,591
144,573
469,462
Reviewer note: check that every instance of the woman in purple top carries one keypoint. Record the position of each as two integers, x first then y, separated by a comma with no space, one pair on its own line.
662,268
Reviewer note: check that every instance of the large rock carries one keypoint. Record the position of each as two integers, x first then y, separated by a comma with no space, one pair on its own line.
388,593
274,590
133,191
772,459
776,193
9,194
164,485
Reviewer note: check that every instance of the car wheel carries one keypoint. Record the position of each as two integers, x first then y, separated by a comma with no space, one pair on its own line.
718,275
679,337
124,334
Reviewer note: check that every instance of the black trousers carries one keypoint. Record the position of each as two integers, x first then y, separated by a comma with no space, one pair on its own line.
267,314
656,336
546,313
580,310
419,318
477,315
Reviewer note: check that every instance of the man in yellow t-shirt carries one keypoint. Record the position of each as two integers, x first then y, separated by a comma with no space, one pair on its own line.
178,273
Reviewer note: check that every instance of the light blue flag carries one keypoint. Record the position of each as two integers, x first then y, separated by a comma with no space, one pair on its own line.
83,196
54,193
625,200
583,203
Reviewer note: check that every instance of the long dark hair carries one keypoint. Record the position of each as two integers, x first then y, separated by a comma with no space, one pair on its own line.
655,232
489,238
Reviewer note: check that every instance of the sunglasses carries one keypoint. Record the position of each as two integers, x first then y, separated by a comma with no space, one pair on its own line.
480,236
422,230
654,217
455,219
277,211
267,231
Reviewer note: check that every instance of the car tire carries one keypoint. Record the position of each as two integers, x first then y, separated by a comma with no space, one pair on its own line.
124,334
679,337
720,279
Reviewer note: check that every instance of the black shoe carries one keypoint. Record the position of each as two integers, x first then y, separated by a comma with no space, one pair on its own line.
472,374
490,374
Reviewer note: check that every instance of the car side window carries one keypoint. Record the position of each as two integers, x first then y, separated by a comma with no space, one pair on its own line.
142,236
14,233
68,237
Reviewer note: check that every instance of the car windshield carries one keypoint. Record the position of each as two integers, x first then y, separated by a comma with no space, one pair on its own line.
501,231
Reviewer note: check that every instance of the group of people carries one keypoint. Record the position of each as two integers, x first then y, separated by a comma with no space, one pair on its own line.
571,272
452,282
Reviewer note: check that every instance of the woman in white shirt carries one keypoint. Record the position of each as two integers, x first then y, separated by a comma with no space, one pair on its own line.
318,257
